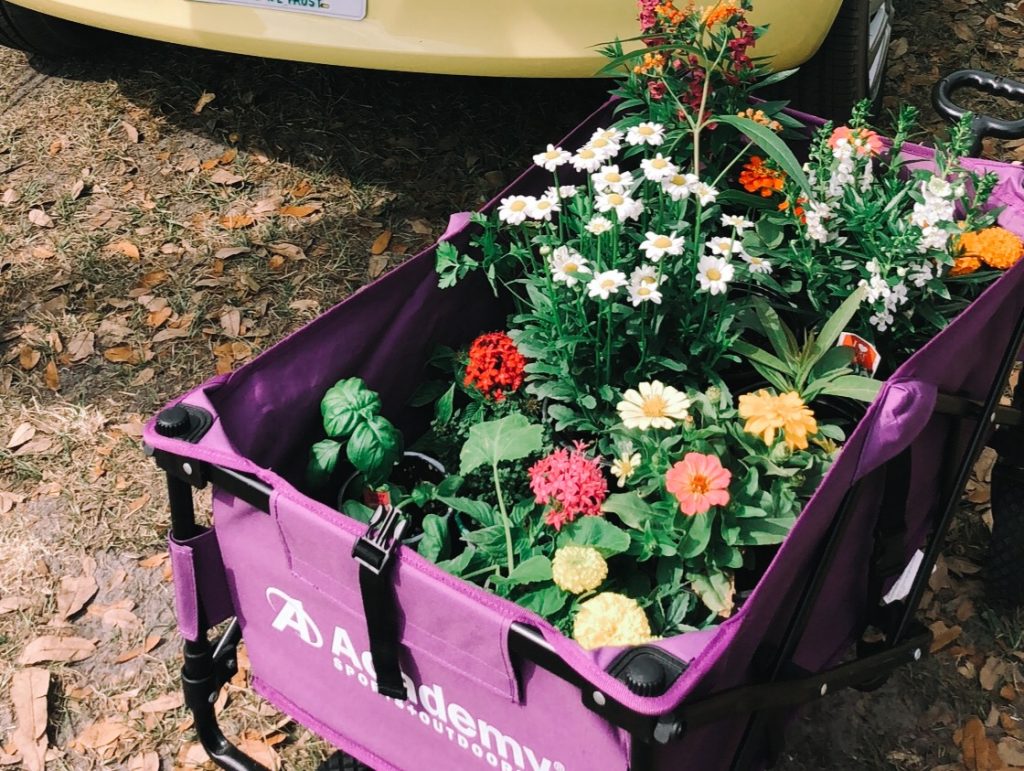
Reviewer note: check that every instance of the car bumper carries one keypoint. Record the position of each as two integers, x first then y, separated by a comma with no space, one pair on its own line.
531,38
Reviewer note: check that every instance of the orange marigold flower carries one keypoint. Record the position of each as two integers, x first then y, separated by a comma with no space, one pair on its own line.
720,12
996,247
495,366
964,266
758,178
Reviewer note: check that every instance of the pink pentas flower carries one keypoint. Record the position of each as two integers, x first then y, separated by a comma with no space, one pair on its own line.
863,141
698,482
570,484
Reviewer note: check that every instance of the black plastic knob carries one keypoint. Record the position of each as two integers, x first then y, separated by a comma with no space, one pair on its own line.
645,676
173,422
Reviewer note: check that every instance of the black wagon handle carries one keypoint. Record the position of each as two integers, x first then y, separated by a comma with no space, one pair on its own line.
981,125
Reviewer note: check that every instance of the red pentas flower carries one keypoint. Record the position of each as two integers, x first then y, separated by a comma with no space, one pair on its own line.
495,366
570,484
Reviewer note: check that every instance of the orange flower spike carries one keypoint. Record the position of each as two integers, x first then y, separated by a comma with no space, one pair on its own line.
758,178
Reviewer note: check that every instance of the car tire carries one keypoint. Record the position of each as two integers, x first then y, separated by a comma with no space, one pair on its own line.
839,75
37,33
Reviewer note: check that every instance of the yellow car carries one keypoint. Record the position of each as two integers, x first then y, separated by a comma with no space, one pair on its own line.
529,38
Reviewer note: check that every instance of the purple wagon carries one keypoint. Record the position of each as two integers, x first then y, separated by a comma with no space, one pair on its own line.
491,685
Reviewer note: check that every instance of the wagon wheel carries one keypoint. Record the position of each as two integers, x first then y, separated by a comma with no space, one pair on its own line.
1003,582
339,761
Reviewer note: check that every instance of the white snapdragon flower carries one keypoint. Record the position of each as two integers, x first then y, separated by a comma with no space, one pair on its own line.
657,246
704,192
723,247
587,159
922,274
542,208
897,296
567,265
714,274
816,214
737,221
625,207
757,264
515,208
552,158
658,168
881,320
679,186
842,174
647,133
610,178
598,225
604,285
932,238
938,187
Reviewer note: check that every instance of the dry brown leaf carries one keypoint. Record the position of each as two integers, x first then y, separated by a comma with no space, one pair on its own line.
942,635
1008,692
964,32
122,354
236,221
100,735
153,278
28,357
149,644
965,610
260,751
35,446
225,177
28,695
144,761
421,226
300,211
155,560
231,322
8,501
74,593
164,703
990,673
13,603
961,566
204,99
51,377
131,132
145,376
53,648
126,248
377,265
192,755
155,318
138,503
23,433
228,155
302,189
40,219
1011,752
276,262
380,243
289,251
81,346
230,251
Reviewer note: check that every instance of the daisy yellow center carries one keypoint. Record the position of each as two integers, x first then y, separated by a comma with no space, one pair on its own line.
586,153
600,142
756,260
714,274
643,291
543,204
517,205
570,267
608,283
662,242
615,199
659,163
654,407
678,180
551,155
646,130
612,177
648,280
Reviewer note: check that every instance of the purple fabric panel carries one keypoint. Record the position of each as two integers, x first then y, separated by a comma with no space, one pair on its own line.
905,408
199,581
309,654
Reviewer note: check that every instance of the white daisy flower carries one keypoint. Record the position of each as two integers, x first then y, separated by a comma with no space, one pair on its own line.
513,209
564,191
605,284
625,207
542,208
611,134
625,466
724,247
714,274
604,147
657,246
704,192
644,293
598,225
737,221
567,265
551,158
587,159
646,274
658,168
757,264
647,133
679,186
610,178
652,405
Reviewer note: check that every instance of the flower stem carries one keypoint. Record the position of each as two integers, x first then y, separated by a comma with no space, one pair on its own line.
505,521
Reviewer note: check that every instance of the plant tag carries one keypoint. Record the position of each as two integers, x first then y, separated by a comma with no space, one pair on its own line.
866,356
905,582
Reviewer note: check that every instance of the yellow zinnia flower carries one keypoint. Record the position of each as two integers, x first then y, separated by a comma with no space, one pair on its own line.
610,619
578,569
767,413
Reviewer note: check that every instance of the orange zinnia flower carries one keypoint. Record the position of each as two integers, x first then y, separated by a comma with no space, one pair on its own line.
996,247
698,482
758,178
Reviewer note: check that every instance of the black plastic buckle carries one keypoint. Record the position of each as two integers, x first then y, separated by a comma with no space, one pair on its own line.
374,549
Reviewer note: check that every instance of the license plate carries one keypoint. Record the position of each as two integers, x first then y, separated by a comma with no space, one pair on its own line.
339,9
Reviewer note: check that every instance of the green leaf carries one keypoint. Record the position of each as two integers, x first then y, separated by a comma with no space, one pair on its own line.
630,508
531,571
374,449
490,540
761,531
359,511
445,406
345,405
858,387
715,591
323,458
510,438
435,537
776,149
698,535
478,511
760,356
457,565
835,358
544,602
596,532
776,331
834,327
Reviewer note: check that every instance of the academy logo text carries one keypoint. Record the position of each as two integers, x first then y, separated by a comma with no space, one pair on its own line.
427,703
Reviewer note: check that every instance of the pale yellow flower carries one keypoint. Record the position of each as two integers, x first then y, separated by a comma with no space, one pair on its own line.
578,569
766,413
610,619
624,467
654,405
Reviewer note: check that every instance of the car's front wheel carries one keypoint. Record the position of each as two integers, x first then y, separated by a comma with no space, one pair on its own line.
37,33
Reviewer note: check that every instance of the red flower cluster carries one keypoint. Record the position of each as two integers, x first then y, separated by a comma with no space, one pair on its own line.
570,483
495,366
738,46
